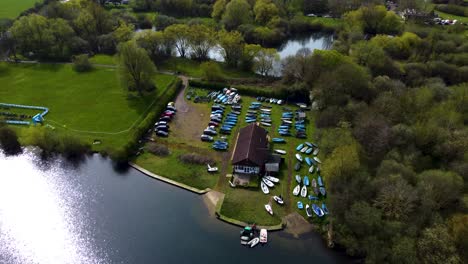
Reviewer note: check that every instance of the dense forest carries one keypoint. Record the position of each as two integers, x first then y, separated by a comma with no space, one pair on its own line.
391,97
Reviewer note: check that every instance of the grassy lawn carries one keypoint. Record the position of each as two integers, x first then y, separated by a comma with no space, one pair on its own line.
12,8
103,59
88,105
443,15
170,167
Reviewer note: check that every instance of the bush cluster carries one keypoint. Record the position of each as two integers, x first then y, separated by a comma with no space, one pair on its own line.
158,149
194,158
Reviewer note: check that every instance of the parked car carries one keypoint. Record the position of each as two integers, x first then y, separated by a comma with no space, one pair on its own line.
206,138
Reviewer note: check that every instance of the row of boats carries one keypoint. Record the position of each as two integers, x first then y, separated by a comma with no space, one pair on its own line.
317,187
288,118
319,211
249,238
225,127
227,96
161,127
256,109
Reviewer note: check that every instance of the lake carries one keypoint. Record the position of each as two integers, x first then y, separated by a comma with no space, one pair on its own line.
58,212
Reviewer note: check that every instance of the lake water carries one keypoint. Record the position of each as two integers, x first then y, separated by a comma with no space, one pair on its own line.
57,212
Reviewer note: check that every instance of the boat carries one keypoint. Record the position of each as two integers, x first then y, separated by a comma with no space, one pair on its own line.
299,157
297,166
316,190
300,205
296,190
298,148
263,236
269,209
265,124
311,169
304,149
308,161
324,208
272,179
308,211
298,179
264,188
317,160
268,182
319,181
313,198
304,191
244,240
317,210
280,151
316,151
278,140
232,184
309,150
314,183
322,191
306,181
278,199
252,243
212,169
309,144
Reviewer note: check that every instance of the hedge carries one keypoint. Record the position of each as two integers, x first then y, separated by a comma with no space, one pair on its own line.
243,89
123,154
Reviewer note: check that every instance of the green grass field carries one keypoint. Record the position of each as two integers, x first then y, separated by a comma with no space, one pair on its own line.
12,8
88,105
443,15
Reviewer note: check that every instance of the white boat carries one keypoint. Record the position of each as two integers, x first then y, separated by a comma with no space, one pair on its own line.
252,243
296,190
269,209
272,179
265,110
317,160
308,211
278,199
268,182
244,240
232,184
280,151
299,157
316,151
311,169
265,189
304,191
263,236
304,149
212,169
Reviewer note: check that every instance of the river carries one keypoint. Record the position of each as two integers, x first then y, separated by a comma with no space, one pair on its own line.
57,212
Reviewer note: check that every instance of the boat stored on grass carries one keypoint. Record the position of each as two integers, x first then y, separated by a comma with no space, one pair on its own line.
304,191
268,183
269,209
324,208
296,190
322,191
300,205
308,161
280,151
317,210
314,183
272,179
308,210
306,181
297,166
316,151
311,169
298,178
317,160
319,181
309,150
278,140
264,188
299,147
278,199
304,149
299,157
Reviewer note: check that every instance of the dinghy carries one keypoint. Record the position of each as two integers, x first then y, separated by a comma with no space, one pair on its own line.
268,183
298,148
314,183
297,166
316,151
272,179
296,190
319,181
304,149
308,161
264,188
309,144
232,184
265,124
299,157
317,160
269,209
316,190
306,181
252,243
300,205
309,150
280,151
278,199
324,208
322,191
298,179
263,236
317,210
212,169
308,211
313,198
311,169
304,191
278,140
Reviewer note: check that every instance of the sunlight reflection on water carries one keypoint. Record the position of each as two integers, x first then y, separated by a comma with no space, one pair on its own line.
40,216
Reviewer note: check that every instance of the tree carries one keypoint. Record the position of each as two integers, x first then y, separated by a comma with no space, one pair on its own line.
458,227
179,33
218,9
123,32
374,134
136,67
264,61
201,40
439,189
9,141
264,11
248,56
237,12
437,246
211,71
81,63
156,43
373,20
296,67
232,44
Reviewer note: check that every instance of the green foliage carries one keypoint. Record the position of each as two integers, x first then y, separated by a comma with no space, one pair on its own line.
373,20
212,71
232,44
436,246
179,34
237,12
439,189
264,11
9,140
201,40
157,44
81,63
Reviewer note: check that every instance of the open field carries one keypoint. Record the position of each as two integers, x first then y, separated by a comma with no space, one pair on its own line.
12,8
87,105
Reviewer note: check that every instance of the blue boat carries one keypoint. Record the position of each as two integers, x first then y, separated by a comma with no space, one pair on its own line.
250,120
313,198
322,191
309,150
324,208
278,140
285,133
306,181
308,161
317,210
299,147
319,180
300,205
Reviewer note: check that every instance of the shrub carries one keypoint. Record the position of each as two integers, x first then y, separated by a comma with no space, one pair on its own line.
158,149
81,63
194,158
211,71
9,141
